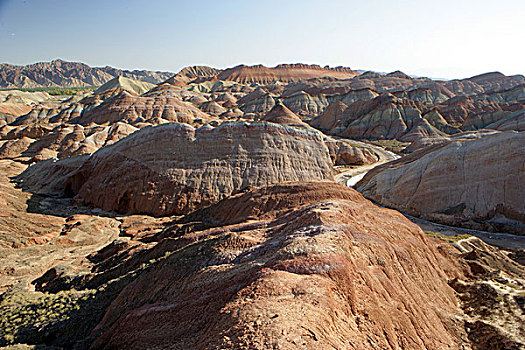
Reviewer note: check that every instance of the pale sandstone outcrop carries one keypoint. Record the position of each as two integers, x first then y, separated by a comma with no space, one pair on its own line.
481,179
135,86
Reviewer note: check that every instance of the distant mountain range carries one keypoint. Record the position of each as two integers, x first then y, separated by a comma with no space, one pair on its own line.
63,74
59,73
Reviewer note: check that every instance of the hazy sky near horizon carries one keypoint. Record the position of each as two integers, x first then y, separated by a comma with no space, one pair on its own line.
443,39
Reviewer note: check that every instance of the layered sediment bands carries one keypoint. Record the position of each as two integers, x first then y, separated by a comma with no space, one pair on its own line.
515,121
60,142
48,177
460,181
303,104
384,117
291,265
126,107
332,119
269,202
196,72
252,260
174,168
387,117
325,269
344,153
280,114
429,94
495,81
283,73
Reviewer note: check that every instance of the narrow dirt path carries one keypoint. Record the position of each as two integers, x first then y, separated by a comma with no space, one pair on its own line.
351,175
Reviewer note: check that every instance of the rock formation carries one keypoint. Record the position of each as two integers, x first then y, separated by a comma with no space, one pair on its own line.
193,74
304,279
173,168
474,182
203,213
291,265
14,103
346,153
332,119
59,73
384,117
32,241
60,142
304,104
283,73
280,114
515,121
134,86
126,107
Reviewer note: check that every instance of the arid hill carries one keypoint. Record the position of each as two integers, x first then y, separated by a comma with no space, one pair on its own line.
476,182
133,109
174,169
291,265
284,73
131,85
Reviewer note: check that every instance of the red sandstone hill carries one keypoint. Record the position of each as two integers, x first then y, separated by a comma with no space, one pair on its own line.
302,265
285,73
193,73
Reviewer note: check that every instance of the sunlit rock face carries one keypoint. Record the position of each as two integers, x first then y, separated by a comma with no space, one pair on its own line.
480,179
174,168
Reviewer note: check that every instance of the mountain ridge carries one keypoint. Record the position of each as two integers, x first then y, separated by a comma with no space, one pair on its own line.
65,74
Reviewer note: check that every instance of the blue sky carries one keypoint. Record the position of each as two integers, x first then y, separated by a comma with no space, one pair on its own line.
449,39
